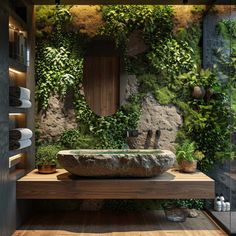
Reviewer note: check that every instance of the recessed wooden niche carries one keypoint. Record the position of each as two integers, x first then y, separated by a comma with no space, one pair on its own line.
101,79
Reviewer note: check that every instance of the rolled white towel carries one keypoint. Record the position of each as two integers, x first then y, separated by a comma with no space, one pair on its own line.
19,92
20,144
20,134
20,103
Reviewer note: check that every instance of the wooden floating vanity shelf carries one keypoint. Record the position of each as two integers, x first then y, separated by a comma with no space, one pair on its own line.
61,185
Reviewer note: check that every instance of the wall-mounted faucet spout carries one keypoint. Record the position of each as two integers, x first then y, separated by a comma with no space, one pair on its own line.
157,138
132,133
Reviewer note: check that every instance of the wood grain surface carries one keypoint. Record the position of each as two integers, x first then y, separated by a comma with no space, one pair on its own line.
62,185
101,84
150,223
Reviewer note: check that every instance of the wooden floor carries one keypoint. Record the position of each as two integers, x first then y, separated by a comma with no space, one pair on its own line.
150,223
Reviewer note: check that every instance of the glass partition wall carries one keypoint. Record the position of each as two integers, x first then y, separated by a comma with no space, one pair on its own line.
220,52
232,164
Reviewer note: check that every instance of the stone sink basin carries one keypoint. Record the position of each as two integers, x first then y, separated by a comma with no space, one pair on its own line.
116,163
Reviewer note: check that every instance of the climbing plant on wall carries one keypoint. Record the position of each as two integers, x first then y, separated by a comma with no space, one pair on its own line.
169,69
59,67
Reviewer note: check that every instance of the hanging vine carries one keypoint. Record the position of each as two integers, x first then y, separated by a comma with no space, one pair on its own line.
169,70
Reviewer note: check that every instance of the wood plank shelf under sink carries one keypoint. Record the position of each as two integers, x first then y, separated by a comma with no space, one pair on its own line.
62,185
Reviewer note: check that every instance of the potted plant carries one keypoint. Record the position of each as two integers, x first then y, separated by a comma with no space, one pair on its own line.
187,157
46,159
174,211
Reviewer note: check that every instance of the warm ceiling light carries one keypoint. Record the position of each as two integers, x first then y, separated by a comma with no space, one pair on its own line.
15,71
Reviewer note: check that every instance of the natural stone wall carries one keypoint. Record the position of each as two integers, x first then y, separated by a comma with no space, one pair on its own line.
131,87
155,117
61,116
58,117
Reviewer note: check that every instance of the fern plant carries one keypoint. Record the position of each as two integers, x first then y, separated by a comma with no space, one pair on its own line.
187,152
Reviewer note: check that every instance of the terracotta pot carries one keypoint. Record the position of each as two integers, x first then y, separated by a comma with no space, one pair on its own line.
188,166
46,169
198,92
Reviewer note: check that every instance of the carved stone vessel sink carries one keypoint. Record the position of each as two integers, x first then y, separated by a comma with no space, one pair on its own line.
116,163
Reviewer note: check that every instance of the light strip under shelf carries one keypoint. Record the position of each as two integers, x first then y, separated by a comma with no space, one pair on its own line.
15,71
14,160
16,114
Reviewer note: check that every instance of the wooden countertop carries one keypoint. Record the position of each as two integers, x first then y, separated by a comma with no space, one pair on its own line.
62,185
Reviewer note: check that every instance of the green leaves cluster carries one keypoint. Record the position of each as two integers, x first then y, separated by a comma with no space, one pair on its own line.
155,22
171,58
110,130
78,139
227,29
188,203
192,36
47,155
56,71
57,68
187,151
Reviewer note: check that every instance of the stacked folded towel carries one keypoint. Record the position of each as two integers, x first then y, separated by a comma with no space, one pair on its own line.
20,144
19,97
19,138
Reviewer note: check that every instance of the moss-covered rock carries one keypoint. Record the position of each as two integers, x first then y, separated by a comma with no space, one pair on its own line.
184,16
87,19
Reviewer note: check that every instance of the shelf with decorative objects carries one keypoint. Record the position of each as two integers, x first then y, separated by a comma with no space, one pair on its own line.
20,105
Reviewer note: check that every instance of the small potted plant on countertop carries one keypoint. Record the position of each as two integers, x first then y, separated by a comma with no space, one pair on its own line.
187,157
46,159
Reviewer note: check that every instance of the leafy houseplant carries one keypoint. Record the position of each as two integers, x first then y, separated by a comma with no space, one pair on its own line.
46,159
187,157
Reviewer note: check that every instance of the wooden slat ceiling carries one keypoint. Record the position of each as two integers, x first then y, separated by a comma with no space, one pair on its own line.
135,2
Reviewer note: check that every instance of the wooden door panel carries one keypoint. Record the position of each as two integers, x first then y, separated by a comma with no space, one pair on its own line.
101,84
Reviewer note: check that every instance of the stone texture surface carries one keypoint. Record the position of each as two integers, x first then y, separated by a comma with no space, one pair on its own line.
86,18
131,86
190,16
155,117
59,116
192,213
223,9
100,163
136,44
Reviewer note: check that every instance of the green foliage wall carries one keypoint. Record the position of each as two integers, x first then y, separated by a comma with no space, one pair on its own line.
169,69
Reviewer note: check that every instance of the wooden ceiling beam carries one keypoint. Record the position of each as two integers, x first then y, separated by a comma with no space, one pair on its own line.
134,2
